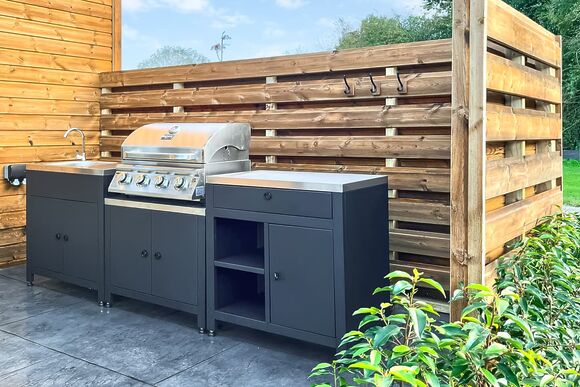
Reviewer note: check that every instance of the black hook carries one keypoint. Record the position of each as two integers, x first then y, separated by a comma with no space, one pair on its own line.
401,87
374,87
347,89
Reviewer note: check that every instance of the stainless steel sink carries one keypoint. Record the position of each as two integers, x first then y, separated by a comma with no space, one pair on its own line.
89,167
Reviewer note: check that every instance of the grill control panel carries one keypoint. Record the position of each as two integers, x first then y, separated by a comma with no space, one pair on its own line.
169,184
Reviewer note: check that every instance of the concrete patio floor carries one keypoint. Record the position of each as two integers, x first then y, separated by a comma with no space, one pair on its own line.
54,334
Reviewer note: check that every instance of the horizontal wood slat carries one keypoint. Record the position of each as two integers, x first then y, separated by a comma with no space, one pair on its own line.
509,124
406,54
45,137
518,218
12,236
21,10
51,61
410,210
435,84
511,174
50,46
505,76
419,242
12,252
12,203
43,122
78,6
45,153
332,118
515,30
12,219
48,92
61,33
410,179
415,147
48,107
47,76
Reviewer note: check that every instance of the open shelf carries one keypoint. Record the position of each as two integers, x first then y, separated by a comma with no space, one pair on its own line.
240,293
252,262
249,308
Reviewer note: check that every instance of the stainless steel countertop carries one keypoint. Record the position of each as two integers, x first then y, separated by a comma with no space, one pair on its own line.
79,167
308,181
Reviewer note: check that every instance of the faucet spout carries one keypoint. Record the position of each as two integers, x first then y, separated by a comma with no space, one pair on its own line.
83,156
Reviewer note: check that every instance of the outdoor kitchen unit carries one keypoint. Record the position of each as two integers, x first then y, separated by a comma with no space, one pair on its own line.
155,212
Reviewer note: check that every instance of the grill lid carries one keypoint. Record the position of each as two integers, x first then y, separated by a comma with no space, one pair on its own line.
188,143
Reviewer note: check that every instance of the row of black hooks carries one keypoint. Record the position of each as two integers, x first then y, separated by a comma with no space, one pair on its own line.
348,90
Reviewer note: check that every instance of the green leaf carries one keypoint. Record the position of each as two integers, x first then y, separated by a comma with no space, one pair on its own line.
472,307
366,311
522,324
404,374
401,349
399,274
384,334
419,319
495,349
433,284
432,380
509,374
401,286
489,377
365,365
546,379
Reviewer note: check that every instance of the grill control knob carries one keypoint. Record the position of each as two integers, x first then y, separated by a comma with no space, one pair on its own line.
179,183
142,180
124,178
160,181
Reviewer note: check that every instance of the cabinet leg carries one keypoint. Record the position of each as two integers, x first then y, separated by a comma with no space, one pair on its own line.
201,330
29,277
108,300
211,327
211,333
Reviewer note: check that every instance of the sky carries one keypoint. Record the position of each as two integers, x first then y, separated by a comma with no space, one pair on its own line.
258,28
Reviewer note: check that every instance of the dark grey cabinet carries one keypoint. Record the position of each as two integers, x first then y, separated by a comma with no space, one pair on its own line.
156,253
65,228
302,299
295,261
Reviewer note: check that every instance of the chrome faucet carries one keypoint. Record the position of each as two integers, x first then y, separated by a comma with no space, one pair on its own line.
82,156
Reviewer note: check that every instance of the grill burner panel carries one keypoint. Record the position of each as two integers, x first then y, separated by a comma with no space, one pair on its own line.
171,161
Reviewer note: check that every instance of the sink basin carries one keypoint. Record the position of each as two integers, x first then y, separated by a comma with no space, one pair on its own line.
88,167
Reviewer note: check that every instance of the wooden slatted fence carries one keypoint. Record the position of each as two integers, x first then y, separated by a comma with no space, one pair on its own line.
303,120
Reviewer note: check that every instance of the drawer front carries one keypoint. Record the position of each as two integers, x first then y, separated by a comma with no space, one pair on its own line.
67,186
274,200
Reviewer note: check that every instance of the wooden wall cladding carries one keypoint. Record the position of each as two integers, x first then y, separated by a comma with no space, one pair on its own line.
302,120
50,55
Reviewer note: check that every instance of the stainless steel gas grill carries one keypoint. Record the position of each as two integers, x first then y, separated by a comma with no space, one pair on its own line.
172,160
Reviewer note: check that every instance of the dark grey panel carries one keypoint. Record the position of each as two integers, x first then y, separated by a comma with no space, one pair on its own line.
44,233
174,260
66,186
130,248
82,250
277,201
302,279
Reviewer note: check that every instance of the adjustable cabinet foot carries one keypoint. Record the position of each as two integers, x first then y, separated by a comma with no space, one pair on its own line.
29,283
201,331
101,303
211,333
108,305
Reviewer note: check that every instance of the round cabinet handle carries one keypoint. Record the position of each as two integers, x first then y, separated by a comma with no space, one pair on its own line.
268,196
57,236
276,276
65,237
144,253
157,255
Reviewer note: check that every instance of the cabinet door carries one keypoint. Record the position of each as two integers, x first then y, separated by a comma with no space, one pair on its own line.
302,279
175,256
44,233
130,248
82,247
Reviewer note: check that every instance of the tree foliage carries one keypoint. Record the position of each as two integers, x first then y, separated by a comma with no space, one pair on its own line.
172,56
562,17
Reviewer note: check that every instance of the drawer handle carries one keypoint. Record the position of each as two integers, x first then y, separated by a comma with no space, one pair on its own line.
268,196
276,276
157,255
144,253
65,237
57,236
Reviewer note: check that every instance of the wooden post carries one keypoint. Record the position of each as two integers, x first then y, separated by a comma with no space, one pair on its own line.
105,112
468,145
391,162
178,109
117,26
547,146
271,132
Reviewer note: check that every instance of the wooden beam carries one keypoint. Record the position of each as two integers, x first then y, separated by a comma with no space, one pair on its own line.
406,54
505,76
418,211
513,124
419,242
459,155
518,32
117,34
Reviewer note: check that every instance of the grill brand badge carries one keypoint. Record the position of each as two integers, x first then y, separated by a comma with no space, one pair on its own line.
171,133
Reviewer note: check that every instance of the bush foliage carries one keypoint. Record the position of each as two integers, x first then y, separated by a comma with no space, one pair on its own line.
525,331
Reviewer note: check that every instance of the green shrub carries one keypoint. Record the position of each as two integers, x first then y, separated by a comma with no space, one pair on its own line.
523,332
